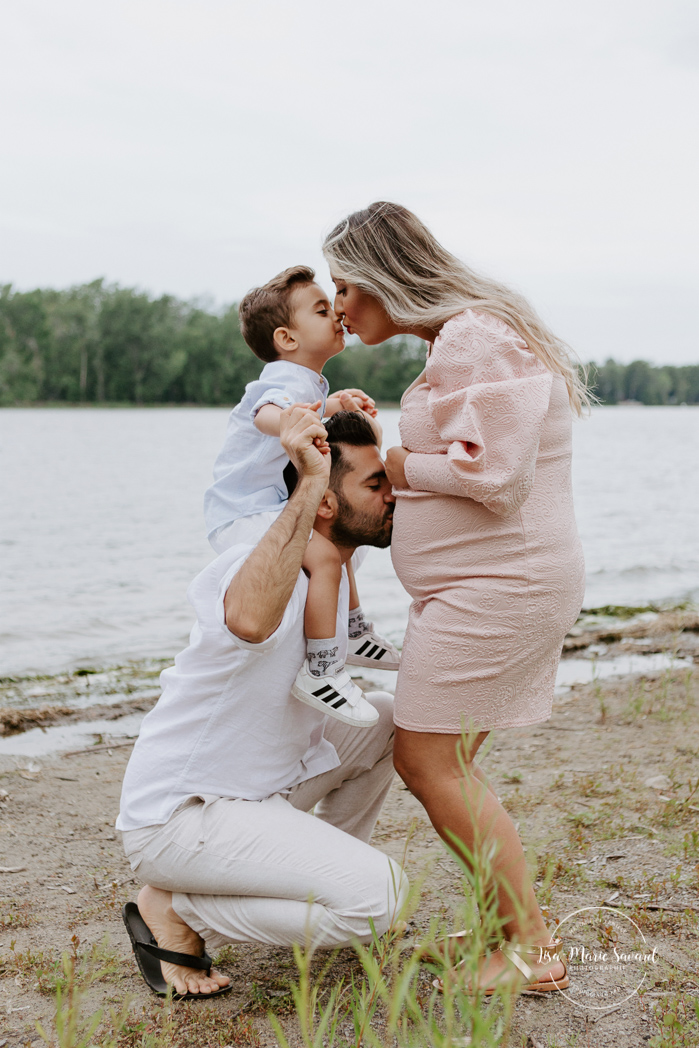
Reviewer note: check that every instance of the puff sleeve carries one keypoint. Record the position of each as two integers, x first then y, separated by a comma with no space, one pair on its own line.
488,398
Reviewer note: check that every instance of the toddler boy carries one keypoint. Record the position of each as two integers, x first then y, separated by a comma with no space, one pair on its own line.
290,324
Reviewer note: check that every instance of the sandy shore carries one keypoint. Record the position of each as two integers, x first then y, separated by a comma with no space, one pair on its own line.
602,792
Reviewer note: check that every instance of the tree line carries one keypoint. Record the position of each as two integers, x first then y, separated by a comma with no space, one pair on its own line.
100,343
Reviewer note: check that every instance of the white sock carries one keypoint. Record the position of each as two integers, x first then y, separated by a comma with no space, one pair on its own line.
357,624
322,656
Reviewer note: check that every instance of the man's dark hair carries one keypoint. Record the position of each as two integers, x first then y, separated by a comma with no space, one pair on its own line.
350,428
266,308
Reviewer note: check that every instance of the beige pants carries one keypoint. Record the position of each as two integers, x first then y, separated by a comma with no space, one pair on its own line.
267,871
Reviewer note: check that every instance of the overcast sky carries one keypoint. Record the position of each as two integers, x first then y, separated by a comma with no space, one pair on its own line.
199,147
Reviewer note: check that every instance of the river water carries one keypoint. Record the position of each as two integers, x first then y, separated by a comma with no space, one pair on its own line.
101,526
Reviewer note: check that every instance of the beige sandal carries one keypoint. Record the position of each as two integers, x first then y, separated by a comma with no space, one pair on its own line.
541,955
443,951
449,949
514,953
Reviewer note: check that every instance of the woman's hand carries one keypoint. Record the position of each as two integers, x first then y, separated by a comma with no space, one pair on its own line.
395,467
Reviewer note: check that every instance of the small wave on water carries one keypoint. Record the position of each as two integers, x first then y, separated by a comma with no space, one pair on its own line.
669,585
646,571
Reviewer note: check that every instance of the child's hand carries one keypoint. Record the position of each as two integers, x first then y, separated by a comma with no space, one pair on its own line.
350,400
334,404
366,403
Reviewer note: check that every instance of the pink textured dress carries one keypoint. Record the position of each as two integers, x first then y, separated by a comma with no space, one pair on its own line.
484,539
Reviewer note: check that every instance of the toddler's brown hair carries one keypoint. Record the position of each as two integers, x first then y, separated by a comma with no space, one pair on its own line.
266,308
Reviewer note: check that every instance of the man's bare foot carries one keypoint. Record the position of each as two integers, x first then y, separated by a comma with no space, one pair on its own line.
171,933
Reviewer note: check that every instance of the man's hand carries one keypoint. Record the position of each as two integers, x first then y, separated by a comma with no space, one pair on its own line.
395,467
303,437
350,400
256,598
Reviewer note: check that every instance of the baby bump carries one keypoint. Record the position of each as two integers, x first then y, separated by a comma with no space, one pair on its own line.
439,541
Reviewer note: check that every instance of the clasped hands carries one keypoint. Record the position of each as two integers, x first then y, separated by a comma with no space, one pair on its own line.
357,400
350,400
303,436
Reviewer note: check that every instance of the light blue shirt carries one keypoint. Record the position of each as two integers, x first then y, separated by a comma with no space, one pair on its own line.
248,473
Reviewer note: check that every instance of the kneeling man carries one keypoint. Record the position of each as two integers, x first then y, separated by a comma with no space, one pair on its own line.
216,796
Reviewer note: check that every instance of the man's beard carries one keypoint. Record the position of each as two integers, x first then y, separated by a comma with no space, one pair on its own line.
360,529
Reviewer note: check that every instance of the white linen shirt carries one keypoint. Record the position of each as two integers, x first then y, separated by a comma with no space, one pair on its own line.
226,723
248,473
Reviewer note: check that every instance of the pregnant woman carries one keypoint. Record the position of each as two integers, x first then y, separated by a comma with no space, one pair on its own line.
484,539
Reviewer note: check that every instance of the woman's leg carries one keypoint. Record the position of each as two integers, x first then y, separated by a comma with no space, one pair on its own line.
459,802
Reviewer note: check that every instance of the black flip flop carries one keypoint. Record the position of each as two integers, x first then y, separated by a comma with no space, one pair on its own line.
149,955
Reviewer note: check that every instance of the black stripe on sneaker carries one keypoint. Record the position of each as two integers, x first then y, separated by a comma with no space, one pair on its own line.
321,692
381,654
340,702
372,653
329,699
363,647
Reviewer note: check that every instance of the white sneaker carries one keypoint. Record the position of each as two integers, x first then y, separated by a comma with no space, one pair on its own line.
335,694
372,650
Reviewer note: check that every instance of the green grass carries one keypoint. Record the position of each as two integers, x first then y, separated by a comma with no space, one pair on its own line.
678,1018
14,914
382,997
97,964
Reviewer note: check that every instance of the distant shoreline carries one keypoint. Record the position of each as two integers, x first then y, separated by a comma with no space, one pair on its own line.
100,672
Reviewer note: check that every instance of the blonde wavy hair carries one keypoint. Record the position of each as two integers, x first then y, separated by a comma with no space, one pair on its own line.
388,252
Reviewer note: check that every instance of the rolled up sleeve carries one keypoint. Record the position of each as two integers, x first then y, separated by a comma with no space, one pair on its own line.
288,620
